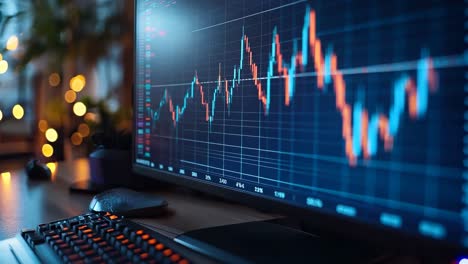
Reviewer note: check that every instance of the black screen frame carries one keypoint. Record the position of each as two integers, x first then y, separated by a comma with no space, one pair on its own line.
315,218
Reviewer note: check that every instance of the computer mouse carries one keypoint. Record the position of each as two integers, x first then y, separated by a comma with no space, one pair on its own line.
126,202
37,170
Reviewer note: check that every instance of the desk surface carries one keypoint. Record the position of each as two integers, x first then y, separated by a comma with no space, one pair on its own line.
25,203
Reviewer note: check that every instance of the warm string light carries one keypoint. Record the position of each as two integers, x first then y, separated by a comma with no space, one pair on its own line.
6,177
43,126
51,135
77,83
79,109
70,96
53,169
90,117
3,66
76,139
83,129
47,150
52,166
12,43
54,79
18,111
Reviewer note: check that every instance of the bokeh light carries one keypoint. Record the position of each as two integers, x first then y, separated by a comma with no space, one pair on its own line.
76,139
47,150
83,129
1,115
52,166
3,66
6,177
70,96
54,79
90,117
51,135
79,109
18,111
77,83
43,125
12,43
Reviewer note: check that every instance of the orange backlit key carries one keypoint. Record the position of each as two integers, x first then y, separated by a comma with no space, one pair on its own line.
87,231
175,257
113,217
184,261
144,256
131,246
139,232
167,252
159,247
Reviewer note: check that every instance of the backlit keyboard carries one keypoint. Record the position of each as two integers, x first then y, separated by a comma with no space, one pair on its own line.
105,238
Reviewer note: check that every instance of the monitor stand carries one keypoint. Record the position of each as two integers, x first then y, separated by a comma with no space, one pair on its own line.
269,242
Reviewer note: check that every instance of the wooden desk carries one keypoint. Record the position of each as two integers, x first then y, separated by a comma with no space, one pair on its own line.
25,203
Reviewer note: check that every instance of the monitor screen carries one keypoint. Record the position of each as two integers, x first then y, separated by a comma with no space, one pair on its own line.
349,108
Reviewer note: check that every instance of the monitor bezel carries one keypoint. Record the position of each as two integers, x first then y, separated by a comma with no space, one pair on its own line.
317,219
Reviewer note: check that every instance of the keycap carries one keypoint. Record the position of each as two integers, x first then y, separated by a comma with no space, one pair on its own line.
95,259
87,253
97,223
84,247
119,224
65,252
95,240
72,257
175,257
79,227
142,238
66,234
184,261
159,246
68,239
49,233
105,249
42,227
84,232
77,242
73,223
33,238
49,239
167,252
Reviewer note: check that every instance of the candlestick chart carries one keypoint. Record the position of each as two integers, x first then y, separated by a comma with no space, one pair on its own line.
360,135
352,100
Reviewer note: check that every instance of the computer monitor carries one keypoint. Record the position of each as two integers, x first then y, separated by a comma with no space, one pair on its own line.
353,110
